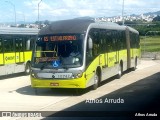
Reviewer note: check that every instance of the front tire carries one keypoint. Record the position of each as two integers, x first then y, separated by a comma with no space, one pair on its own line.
27,68
96,81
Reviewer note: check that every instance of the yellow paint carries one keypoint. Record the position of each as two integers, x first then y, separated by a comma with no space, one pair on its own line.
38,54
22,57
90,71
1,59
112,59
69,83
27,55
15,57
135,52
123,55
9,58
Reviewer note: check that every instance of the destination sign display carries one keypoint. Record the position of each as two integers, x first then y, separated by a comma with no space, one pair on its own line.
60,38
45,59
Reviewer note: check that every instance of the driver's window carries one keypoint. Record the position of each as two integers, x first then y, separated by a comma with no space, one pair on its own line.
89,55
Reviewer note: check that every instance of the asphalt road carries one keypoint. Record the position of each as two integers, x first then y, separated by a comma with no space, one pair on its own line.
139,100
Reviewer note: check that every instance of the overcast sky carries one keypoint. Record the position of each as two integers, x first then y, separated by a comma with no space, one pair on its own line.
27,10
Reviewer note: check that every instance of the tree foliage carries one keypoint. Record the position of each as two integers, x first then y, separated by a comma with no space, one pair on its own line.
156,18
144,27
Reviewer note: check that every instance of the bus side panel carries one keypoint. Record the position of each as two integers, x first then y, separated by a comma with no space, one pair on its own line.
9,58
132,57
123,57
102,61
111,68
21,57
90,72
1,59
3,71
27,56
17,57
112,59
60,83
11,67
136,53
132,53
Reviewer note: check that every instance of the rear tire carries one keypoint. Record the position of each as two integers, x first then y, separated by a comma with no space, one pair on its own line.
135,65
120,70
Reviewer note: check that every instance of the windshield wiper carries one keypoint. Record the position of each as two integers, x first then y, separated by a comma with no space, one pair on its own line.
43,65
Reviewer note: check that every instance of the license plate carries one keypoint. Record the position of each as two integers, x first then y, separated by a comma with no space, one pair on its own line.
62,75
54,84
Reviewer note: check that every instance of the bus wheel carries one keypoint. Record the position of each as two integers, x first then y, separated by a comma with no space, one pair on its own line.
96,81
135,65
120,69
27,68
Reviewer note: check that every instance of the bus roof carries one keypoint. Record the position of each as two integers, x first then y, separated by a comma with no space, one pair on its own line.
132,30
107,25
80,26
18,31
67,26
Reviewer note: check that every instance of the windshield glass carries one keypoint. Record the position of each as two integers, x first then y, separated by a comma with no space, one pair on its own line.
58,51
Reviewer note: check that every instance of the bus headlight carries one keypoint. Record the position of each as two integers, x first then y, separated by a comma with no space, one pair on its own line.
78,75
33,75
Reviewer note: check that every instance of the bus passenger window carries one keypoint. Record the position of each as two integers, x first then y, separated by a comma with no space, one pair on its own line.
20,44
28,44
8,45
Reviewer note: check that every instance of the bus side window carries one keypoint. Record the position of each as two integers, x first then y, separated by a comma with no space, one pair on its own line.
102,41
19,44
122,41
114,40
109,41
32,39
132,40
28,44
96,42
8,45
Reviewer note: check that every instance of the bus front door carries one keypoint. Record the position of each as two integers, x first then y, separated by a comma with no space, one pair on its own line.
19,50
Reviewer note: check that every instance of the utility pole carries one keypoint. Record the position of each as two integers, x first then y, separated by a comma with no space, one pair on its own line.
38,14
123,13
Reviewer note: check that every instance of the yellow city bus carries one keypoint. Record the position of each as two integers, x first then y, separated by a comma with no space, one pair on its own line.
80,53
16,49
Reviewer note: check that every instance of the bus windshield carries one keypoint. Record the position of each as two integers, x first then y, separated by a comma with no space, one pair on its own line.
58,51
